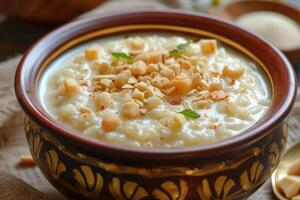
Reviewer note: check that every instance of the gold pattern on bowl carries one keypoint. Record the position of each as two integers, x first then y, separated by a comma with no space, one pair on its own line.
88,179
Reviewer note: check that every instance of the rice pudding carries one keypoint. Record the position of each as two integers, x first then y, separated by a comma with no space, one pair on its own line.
156,91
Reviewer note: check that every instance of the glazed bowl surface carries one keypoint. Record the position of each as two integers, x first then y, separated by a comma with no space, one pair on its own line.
86,168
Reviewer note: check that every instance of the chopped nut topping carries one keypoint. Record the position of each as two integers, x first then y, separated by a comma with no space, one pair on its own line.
208,46
160,81
102,100
71,86
138,68
131,109
103,67
233,73
182,84
110,123
122,78
106,82
168,73
218,95
91,54
138,95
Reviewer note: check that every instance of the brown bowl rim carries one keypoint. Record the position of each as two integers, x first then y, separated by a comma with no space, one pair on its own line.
223,146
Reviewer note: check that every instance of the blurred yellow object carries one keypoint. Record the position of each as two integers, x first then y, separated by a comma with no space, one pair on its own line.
216,2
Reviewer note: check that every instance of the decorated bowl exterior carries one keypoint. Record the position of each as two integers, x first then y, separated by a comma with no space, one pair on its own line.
85,168
80,175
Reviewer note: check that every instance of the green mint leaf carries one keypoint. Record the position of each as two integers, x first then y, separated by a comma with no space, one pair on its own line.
179,48
188,113
174,52
121,55
182,47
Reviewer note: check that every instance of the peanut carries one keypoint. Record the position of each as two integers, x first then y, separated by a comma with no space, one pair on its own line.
122,78
233,73
182,84
152,102
208,46
71,86
131,109
91,54
168,73
102,100
110,123
138,68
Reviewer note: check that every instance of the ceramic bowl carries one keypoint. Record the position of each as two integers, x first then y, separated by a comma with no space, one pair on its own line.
85,168
235,9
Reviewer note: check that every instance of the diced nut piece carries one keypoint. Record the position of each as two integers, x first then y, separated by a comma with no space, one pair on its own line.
138,95
106,82
149,93
71,86
152,102
208,46
203,84
233,73
174,100
137,44
141,104
152,68
218,95
169,90
132,80
215,86
182,85
131,109
91,53
110,123
168,73
142,86
127,86
202,104
138,68
103,67
99,77
153,57
290,185
121,68
295,168
170,61
122,78
27,161
102,100
196,78
185,64
160,81
176,68
176,122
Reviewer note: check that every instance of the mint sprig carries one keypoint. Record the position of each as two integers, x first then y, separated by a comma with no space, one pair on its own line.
179,49
121,55
188,113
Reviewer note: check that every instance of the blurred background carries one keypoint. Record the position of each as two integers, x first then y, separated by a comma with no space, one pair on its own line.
24,21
